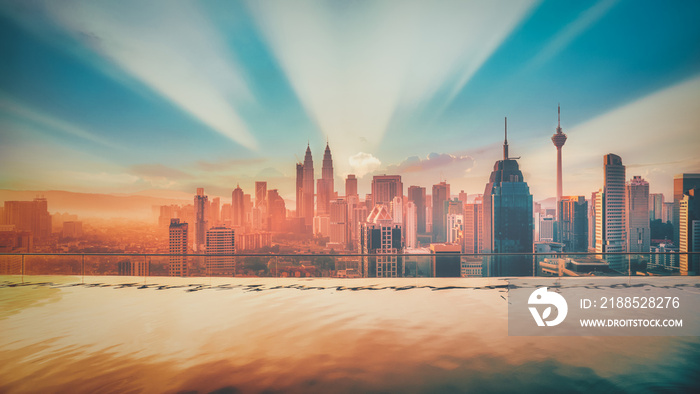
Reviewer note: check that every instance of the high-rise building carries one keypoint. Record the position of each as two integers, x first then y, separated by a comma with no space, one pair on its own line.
321,225
72,229
32,216
611,224
325,184
397,209
441,193
593,214
339,223
380,236
417,195
178,248
261,205
667,212
308,193
237,207
573,223
559,139
462,197
454,226
201,210
508,226
681,184
214,212
656,206
474,226
277,211
221,245
300,191
358,216
689,232
350,186
260,194
546,229
385,188
638,233
411,225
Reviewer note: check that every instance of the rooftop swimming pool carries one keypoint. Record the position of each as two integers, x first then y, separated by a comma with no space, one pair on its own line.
416,335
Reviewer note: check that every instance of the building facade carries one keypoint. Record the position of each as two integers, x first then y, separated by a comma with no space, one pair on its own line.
638,232
178,248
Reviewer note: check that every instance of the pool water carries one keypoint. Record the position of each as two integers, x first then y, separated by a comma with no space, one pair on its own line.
115,334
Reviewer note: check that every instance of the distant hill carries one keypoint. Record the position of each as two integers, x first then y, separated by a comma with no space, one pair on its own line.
548,203
94,205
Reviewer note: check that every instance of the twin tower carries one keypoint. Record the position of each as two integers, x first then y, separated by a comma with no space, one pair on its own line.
305,187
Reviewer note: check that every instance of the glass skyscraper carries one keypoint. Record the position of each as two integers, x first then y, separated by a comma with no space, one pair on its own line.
508,221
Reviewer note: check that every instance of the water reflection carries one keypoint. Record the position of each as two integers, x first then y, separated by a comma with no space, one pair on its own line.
316,335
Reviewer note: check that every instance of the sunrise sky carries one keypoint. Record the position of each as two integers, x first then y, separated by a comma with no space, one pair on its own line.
127,96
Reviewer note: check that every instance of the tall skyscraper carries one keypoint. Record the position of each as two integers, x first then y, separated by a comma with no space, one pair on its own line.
689,232
441,193
261,206
638,233
611,225
681,184
573,223
237,207
178,246
358,215
397,209
380,236
32,216
462,196
277,211
559,139
308,192
214,211
454,227
508,226
339,223
325,184
385,188
220,246
201,208
411,225
350,186
474,226
300,191
595,221
260,194
656,206
546,229
417,195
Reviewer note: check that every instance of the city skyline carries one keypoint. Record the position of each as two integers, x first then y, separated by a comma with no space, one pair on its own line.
89,103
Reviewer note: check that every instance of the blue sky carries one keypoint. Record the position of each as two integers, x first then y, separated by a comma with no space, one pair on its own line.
121,97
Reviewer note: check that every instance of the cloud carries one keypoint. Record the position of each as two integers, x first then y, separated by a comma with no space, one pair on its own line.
171,48
431,162
362,164
159,175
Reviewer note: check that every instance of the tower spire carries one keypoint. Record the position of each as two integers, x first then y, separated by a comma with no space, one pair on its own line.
558,119
505,142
